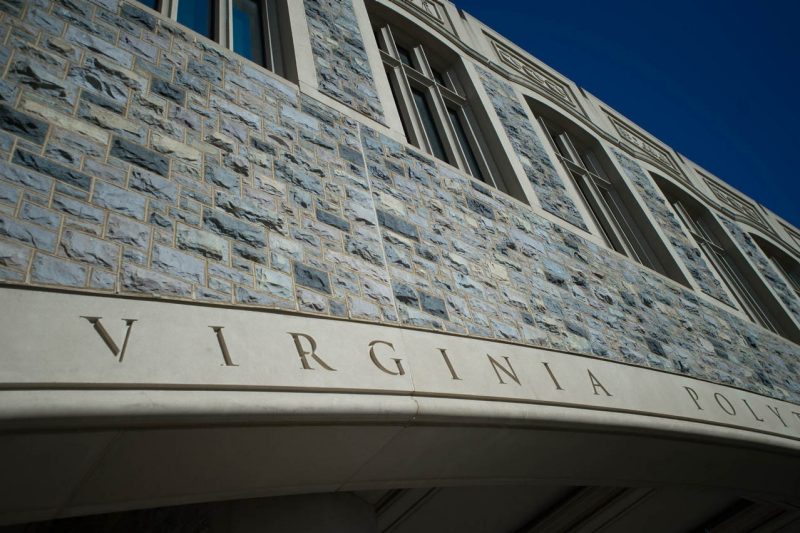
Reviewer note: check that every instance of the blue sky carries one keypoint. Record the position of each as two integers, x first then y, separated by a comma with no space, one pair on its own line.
717,81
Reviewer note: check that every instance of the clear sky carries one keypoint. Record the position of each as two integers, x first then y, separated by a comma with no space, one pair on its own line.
716,80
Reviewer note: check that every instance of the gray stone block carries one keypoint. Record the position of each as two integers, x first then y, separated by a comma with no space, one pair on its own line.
49,168
117,199
27,233
40,215
85,249
179,264
333,220
312,278
228,226
250,211
140,280
52,271
222,177
433,305
396,224
14,256
127,231
140,156
25,126
274,283
153,185
202,242
168,90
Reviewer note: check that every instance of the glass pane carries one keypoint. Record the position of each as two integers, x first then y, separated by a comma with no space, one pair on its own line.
592,164
197,15
152,4
400,109
405,56
248,30
562,145
439,77
426,117
466,148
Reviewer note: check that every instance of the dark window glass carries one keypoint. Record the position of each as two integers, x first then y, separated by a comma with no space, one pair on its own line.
426,117
461,136
438,77
248,30
197,15
152,4
405,56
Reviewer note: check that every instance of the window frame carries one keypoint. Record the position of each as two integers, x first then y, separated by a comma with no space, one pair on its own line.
786,265
738,275
273,43
442,87
616,222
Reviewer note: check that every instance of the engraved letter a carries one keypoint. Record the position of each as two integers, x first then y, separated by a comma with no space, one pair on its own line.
98,327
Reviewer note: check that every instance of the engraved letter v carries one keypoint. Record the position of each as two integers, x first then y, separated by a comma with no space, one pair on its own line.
98,327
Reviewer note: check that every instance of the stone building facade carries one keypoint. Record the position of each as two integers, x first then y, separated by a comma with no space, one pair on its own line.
143,162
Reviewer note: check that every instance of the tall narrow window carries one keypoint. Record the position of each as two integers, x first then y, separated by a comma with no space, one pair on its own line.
429,125
783,262
248,30
602,198
250,27
721,255
152,4
463,144
198,15
433,108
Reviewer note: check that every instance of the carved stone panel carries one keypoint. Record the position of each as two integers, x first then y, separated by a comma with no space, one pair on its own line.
647,149
743,208
537,77
794,234
432,11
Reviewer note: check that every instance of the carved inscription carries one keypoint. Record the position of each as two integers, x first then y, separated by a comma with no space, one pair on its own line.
226,356
597,385
311,351
95,321
452,370
506,369
725,405
383,356
372,355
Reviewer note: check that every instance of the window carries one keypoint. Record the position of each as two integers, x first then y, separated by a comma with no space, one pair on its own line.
198,16
248,27
723,256
434,109
593,179
783,262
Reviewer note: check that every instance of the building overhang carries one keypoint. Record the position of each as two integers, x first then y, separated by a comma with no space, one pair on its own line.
206,403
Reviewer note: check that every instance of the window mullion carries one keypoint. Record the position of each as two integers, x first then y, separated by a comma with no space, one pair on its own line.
272,53
224,19
618,239
445,129
478,150
414,119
